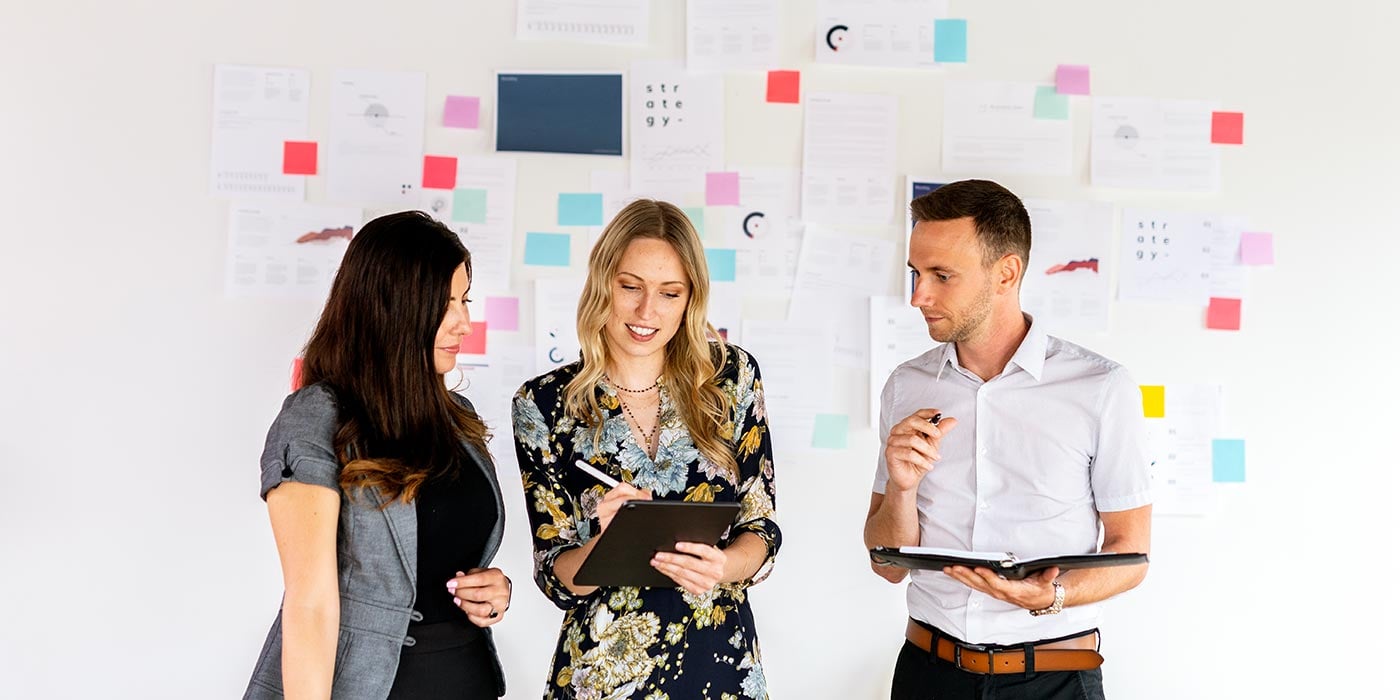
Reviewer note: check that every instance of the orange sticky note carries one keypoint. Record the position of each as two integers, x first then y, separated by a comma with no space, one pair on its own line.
439,172
475,342
298,157
784,86
1154,401
1223,314
1227,127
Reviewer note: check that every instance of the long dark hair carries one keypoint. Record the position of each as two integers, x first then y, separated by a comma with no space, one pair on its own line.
373,347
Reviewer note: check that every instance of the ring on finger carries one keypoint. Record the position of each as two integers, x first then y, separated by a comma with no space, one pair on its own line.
494,614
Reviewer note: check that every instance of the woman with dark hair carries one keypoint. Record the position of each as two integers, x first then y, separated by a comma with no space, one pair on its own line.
672,412
381,491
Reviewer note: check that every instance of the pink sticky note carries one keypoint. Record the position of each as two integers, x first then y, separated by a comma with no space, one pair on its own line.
1223,314
1227,128
474,344
298,157
1257,248
461,112
784,86
503,313
721,189
439,172
1071,80
296,374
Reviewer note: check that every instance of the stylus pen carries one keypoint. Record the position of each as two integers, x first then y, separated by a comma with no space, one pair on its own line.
596,474
936,417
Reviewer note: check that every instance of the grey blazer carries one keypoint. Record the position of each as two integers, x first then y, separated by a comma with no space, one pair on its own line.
376,556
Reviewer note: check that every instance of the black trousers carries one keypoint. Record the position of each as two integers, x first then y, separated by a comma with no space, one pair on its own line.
449,662
919,675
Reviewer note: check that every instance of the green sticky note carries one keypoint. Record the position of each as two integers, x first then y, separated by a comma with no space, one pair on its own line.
1227,461
830,430
1050,104
469,205
697,218
1154,401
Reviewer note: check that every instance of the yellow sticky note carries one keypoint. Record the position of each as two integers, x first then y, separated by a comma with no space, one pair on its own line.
1154,401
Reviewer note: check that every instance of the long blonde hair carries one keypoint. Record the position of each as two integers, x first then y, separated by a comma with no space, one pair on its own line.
692,361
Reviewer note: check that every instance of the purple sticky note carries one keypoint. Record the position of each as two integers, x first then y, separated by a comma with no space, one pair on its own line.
1071,80
721,189
1257,248
461,112
503,313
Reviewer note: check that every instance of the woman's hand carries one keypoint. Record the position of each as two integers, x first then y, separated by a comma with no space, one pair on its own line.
483,594
613,500
696,567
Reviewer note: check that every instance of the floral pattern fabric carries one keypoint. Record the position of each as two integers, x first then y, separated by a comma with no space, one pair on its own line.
649,643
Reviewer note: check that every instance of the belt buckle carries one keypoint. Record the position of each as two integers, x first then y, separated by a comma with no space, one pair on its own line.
957,656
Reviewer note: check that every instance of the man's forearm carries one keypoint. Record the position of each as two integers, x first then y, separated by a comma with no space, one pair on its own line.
895,521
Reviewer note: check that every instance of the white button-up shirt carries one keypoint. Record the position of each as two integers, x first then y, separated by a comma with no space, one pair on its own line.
1038,452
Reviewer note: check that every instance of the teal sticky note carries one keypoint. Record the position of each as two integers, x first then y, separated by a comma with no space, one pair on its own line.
722,262
547,249
697,218
950,40
830,430
1227,461
580,209
1050,104
469,205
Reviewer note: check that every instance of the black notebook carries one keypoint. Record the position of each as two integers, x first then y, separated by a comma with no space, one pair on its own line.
622,556
1004,563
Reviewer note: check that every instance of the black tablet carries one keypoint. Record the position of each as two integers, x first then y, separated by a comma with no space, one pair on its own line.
622,556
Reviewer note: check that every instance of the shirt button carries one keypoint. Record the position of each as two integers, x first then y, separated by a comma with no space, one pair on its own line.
974,604
982,505
982,451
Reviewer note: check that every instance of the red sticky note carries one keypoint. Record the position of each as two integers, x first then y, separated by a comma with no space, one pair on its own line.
1223,314
475,342
784,86
1227,127
296,374
298,157
439,172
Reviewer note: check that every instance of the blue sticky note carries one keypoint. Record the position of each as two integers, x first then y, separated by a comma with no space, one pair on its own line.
950,40
469,205
1227,461
1050,104
547,249
697,218
580,209
722,262
830,430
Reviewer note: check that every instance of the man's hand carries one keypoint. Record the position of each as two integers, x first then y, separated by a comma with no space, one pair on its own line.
912,447
1032,592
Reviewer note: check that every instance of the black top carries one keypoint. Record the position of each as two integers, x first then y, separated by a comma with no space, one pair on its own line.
456,513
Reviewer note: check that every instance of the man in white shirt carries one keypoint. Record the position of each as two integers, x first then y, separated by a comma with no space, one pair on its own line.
1041,442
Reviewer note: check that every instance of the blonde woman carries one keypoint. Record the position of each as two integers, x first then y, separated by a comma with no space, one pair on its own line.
673,413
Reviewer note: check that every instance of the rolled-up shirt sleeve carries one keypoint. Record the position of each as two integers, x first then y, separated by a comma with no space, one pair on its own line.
1120,473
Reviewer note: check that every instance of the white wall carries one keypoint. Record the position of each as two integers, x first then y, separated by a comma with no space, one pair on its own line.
136,559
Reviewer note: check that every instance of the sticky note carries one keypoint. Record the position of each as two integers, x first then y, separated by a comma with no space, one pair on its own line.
784,86
829,432
439,172
503,313
1223,314
1227,127
721,262
469,205
547,249
296,373
721,188
950,40
580,209
474,343
697,218
461,112
1050,104
1071,80
298,157
1256,248
1227,461
1154,401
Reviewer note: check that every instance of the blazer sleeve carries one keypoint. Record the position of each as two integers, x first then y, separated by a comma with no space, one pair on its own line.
300,443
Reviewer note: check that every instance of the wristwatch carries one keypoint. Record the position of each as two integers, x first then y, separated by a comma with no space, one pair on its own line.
1056,606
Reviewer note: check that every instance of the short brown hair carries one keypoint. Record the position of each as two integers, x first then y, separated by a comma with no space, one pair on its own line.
1002,224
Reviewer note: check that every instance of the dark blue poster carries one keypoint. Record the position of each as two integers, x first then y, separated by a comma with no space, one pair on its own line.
559,113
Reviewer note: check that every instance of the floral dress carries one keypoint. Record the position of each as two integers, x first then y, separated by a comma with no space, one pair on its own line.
650,643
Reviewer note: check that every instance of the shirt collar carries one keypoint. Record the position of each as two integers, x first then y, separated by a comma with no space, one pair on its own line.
1030,356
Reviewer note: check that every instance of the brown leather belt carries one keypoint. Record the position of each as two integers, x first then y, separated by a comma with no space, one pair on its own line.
1073,654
